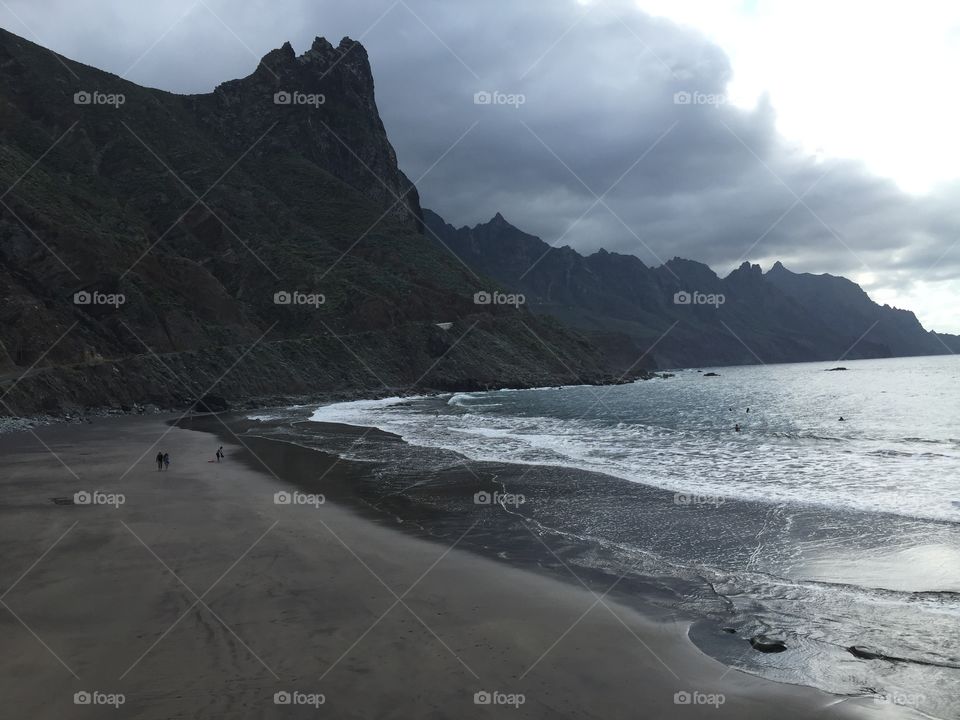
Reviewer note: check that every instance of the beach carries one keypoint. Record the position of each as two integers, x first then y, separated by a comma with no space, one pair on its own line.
193,593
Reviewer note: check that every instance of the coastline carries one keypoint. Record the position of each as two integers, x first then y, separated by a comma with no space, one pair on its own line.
273,598
429,494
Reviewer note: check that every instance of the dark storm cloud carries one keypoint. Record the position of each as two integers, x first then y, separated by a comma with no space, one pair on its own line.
709,182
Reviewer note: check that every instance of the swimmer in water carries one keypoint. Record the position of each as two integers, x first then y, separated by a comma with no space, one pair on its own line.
737,427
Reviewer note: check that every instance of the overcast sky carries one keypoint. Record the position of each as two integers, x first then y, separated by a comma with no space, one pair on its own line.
820,134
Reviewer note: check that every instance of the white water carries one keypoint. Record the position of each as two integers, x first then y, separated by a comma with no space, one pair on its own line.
896,451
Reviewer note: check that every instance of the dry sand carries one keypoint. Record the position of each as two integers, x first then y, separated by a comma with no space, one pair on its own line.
201,598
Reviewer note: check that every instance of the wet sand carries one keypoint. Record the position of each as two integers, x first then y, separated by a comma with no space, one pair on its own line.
200,597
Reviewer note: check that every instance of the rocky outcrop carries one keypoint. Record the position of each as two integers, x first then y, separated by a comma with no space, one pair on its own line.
766,644
320,105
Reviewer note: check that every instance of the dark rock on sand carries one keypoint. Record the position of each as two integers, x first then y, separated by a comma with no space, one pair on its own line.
865,653
767,645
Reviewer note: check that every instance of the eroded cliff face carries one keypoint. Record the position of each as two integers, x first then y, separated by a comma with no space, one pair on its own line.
151,242
323,107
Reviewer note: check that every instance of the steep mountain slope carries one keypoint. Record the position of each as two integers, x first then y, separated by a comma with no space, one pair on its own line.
851,311
629,308
204,214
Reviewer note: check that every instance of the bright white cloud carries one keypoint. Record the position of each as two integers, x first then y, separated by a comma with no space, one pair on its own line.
854,79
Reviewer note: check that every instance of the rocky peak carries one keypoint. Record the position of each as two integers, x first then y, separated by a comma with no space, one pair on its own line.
321,46
746,273
692,267
280,56
323,57
320,50
320,105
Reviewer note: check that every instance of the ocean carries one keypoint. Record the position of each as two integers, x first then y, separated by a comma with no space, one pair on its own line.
838,538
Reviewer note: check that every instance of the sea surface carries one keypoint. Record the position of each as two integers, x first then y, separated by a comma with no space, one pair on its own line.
825,534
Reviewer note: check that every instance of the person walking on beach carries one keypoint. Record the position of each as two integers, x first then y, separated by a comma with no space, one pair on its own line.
166,461
220,453
160,461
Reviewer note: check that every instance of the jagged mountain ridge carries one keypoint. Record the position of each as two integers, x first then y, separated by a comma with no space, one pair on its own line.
629,308
850,310
198,209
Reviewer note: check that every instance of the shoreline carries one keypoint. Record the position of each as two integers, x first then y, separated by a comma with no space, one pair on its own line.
647,596
199,596
428,507
79,412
